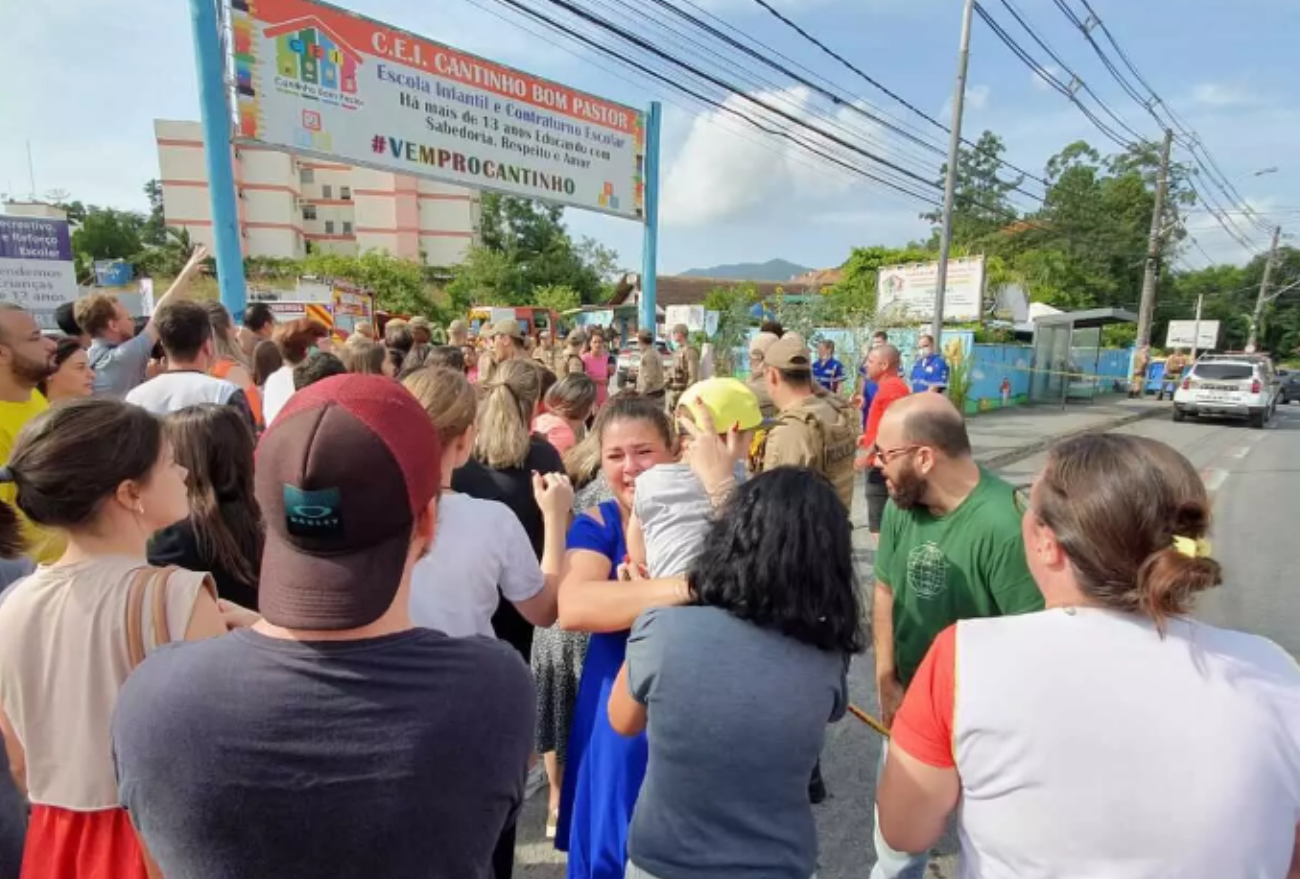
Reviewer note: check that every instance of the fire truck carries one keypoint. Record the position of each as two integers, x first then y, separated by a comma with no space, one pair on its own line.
338,305
531,320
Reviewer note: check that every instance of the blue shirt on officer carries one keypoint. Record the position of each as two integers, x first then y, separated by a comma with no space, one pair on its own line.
929,372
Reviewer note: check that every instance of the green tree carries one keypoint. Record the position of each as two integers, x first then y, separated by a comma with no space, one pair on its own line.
155,229
733,304
168,256
531,236
556,297
105,233
398,284
982,203
486,277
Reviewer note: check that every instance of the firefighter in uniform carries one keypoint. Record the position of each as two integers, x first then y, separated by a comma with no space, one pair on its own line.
812,430
546,353
685,369
650,369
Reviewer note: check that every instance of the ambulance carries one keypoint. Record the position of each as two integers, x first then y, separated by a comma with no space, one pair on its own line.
338,305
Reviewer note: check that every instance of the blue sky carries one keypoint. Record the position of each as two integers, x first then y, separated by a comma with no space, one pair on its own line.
95,78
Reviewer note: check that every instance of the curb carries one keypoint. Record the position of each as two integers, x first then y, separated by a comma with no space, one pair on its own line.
1022,452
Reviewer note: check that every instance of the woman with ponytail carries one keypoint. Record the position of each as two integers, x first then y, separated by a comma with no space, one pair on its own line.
506,455
1110,734
103,473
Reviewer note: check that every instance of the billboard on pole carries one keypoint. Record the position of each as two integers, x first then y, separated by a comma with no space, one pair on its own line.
1181,334
36,268
318,80
907,292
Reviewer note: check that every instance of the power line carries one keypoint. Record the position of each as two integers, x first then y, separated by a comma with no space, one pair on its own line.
867,77
1076,80
1188,139
724,85
708,54
667,96
1046,75
719,105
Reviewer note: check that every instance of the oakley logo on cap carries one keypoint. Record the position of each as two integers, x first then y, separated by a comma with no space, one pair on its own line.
313,513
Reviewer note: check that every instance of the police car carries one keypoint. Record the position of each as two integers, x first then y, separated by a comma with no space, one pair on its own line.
1229,386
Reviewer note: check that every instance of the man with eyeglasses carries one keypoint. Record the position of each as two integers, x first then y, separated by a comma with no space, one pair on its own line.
950,549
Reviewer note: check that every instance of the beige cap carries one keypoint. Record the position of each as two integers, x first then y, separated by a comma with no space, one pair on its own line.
458,326
420,322
762,342
508,328
789,353
575,338
681,328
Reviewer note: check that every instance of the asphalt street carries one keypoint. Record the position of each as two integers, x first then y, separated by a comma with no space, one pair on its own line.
1255,478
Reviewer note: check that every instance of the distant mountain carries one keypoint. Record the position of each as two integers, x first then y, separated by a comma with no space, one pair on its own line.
772,270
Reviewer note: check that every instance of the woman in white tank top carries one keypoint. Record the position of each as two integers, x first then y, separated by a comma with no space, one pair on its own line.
101,471
1109,735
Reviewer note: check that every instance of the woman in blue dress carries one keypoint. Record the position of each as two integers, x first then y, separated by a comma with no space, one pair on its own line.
605,770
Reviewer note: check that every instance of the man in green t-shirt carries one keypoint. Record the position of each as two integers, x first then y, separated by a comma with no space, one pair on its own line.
950,549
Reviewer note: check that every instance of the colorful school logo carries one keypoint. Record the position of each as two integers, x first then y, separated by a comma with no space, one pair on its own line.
312,62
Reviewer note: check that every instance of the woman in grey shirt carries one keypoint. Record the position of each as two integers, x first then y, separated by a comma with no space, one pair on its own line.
737,687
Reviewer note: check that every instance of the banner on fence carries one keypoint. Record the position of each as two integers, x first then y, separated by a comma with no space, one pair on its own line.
907,292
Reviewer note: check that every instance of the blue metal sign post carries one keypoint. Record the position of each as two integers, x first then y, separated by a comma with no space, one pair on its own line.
216,148
650,249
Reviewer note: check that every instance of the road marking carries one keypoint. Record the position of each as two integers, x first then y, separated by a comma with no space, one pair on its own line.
1214,479
1241,452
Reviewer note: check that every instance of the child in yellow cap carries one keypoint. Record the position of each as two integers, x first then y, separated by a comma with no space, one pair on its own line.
672,509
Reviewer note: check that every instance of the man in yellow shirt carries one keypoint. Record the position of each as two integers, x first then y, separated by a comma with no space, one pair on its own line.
26,359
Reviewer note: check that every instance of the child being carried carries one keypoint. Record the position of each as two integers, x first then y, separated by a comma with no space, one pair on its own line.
672,508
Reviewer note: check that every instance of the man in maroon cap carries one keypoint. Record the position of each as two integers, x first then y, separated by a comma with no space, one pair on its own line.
332,738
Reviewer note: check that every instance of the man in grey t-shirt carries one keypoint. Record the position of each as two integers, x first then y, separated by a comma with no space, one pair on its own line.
117,354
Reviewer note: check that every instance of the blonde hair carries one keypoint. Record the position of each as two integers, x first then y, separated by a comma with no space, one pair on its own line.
447,397
223,328
362,355
508,398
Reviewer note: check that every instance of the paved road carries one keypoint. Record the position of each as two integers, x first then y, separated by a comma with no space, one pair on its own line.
1255,477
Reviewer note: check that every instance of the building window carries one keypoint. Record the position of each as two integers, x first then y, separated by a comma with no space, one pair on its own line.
345,193
309,212
347,227
306,175
327,191
329,227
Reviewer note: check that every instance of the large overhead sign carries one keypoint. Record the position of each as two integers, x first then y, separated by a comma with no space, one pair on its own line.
314,79
36,267
907,292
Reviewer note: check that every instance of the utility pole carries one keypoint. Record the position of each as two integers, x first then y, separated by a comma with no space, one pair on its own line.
1196,328
1153,247
1253,342
950,180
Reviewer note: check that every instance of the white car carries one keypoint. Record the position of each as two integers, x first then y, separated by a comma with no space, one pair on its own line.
1228,386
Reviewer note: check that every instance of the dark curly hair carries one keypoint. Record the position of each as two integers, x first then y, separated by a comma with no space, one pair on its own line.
780,555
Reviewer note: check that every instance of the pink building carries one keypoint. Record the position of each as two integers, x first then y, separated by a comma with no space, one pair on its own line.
290,206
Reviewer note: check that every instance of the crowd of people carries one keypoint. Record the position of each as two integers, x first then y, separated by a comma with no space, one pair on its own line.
285,605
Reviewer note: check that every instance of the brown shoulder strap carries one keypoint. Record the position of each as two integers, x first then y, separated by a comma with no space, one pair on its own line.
161,631
134,612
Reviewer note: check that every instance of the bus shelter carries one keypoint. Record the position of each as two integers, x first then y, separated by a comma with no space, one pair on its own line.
1068,353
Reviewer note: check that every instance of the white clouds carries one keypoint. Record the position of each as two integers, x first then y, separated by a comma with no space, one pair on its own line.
977,98
1039,82
727,168
1220,95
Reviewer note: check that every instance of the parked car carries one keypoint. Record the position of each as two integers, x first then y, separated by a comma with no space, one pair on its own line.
629,360
1229,386
1289,386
